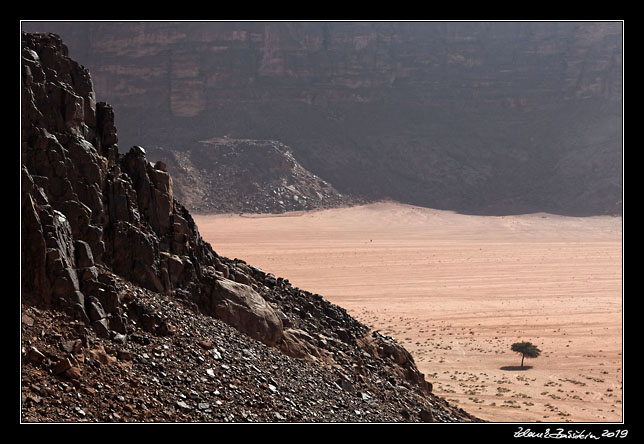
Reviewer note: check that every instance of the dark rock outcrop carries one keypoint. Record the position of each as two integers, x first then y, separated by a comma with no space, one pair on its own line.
111,259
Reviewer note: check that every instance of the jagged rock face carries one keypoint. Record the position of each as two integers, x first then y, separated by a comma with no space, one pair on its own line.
85,206
105,243
257,176
475,116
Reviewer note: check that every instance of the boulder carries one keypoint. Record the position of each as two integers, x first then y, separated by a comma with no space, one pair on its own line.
243,308
299,344
426,415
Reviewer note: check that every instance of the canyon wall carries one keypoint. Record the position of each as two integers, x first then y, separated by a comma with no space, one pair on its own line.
489,118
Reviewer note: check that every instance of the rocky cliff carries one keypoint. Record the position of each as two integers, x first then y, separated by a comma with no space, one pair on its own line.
128,315
482,117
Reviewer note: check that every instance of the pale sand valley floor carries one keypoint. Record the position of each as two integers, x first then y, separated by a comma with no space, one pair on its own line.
457,290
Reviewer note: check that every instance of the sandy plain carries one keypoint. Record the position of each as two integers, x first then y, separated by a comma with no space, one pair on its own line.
457,290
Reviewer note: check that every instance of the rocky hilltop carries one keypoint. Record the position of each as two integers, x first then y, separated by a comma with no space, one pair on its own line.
478,117
129,315
224,175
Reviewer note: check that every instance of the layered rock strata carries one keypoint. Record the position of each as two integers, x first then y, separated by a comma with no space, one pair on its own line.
108,251
483,117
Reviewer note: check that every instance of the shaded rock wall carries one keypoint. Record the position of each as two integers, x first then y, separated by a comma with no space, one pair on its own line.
477,117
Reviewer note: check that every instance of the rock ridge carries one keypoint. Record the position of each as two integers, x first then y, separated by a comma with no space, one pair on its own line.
129,315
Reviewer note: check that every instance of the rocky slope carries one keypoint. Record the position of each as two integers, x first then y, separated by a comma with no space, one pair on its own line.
128,315
483,117
224,175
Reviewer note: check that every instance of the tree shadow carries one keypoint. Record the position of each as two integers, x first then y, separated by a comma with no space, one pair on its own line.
515,368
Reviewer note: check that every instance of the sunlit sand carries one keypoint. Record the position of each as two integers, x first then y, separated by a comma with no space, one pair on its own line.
458,290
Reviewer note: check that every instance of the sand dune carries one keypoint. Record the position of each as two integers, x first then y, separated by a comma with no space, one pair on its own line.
458,290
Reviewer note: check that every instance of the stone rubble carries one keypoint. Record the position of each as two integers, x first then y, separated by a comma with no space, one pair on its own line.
225,175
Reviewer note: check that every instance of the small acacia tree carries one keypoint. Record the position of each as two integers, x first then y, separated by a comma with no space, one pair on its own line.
527,350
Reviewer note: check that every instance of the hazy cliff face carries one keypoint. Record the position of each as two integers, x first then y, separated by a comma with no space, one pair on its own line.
513,63
433,113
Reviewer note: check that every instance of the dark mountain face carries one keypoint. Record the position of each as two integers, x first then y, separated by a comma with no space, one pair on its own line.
489,118
129,315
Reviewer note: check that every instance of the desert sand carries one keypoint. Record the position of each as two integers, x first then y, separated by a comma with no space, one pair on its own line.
457,290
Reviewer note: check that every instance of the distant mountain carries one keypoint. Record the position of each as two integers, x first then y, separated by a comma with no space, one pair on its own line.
479,117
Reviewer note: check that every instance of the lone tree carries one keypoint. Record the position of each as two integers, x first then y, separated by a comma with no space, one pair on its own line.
527,350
